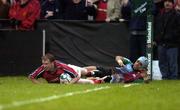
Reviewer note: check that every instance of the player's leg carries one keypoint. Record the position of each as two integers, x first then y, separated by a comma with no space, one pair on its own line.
85,81
86,71
102,71
82,70
76,68
96,71
90,68
91,81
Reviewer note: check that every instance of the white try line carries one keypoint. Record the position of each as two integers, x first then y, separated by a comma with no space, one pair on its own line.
132,84
44,99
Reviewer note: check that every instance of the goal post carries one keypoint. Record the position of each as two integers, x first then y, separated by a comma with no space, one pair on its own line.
150,35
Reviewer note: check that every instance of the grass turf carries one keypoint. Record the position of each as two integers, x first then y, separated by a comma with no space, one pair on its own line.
157,95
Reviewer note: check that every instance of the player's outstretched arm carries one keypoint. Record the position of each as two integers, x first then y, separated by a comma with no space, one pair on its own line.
119,60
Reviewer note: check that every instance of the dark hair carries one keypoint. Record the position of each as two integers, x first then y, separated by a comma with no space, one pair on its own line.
49,57
169,1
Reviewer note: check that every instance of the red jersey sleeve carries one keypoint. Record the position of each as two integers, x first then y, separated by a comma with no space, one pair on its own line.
37,73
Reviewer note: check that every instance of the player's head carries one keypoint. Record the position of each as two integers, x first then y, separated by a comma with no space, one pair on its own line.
48,61
141,63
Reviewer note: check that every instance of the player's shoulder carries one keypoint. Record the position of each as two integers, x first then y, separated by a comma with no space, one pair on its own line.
126,60
60,64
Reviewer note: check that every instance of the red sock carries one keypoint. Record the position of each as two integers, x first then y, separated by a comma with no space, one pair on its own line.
97,81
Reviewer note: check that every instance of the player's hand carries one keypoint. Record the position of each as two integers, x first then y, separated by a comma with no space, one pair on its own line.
124,2
120,62
108,20
49,13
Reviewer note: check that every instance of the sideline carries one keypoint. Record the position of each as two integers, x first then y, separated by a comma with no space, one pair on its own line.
44,99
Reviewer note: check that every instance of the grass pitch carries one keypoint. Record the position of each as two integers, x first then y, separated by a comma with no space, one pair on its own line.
18,93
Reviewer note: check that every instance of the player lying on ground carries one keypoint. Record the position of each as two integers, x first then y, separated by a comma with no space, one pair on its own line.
126,72
53,71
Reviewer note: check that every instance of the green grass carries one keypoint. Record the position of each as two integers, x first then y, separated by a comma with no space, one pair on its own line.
157,95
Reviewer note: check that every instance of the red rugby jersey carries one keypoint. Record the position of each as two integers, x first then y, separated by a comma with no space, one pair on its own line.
53,77
132,76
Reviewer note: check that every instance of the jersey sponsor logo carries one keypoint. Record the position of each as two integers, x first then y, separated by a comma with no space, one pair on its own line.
141,9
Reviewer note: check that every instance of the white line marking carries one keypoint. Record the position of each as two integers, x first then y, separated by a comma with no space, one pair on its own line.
39,100
128,85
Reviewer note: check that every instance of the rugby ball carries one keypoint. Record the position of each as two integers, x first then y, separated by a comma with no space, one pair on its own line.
65,78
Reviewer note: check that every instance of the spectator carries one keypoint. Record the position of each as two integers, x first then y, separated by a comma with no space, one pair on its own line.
23,14
4,9
177,7
138,25
51,9
126,10
101,10
114,10
167,36
91,9
108,10
158,6
75,10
